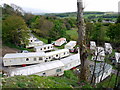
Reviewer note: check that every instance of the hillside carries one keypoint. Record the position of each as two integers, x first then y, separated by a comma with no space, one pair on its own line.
69,80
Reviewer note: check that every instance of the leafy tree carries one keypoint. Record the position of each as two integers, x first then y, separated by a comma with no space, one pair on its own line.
98,32
8,10
29,18
15,30
89,30
114,32
118,19
58,30
42,27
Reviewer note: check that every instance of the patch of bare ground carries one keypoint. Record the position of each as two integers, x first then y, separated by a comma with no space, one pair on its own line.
6,50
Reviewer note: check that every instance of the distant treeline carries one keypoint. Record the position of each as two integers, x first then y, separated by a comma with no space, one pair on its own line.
88,15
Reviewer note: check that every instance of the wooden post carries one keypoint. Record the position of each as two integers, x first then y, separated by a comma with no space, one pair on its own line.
82,42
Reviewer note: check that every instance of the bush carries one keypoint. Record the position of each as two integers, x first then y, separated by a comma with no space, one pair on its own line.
69,74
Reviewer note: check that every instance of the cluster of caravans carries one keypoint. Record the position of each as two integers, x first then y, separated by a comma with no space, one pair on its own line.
53,68
99,52
40,55
45,63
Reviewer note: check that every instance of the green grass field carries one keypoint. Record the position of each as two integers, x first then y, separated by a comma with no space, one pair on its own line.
73,34
69,80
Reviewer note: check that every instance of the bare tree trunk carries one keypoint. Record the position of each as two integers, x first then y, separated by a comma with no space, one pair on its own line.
82,41
94,68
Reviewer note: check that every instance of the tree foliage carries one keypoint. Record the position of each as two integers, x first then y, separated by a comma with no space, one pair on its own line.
114,32
15,30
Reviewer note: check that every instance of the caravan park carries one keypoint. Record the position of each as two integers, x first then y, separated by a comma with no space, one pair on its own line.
71,49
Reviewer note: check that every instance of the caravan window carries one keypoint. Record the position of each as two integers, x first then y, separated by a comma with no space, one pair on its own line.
48,47
58,70
40,58
44,73
56,55
34,59
27,59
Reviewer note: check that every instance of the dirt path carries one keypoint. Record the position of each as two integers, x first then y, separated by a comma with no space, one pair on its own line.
6,49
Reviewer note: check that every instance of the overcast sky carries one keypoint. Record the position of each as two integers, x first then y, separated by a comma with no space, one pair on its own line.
58,6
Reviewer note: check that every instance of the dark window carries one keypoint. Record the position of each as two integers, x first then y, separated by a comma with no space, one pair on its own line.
44,73
40,58
41,48
64,53
27,59
49,57
44,47
34,59
58,70
48,47
56,55
45,60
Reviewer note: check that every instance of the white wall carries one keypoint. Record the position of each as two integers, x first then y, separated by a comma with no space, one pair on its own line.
20,61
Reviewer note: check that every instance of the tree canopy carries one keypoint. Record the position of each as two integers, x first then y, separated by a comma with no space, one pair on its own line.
15,30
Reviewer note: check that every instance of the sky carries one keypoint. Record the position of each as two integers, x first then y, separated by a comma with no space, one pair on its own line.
59,6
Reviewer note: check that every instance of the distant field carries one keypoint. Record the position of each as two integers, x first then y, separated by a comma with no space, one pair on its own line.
73,34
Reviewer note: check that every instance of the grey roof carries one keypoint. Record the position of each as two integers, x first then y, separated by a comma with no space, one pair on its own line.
70,59
21,55
99,68
33,69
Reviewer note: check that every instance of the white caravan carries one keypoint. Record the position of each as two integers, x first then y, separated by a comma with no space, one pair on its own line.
108,48
99,54
23,58
60,42
70,45
47,47
117,57
33,42
92,45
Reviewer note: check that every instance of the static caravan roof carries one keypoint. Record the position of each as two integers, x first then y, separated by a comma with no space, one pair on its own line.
70,59
20,55
61,39
44,46
56,52
37,42
33,69
101,50
71,43
92,43
117,56
99,68
108,45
